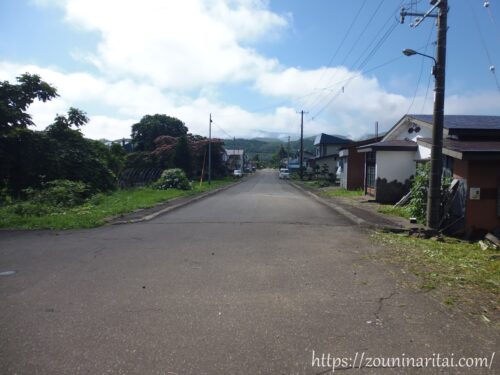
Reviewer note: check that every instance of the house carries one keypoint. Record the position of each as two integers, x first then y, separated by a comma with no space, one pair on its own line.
294,164
390,163
472,158
352,164
235,159
327,150
471,155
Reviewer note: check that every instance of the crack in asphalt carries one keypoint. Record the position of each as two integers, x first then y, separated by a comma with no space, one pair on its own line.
381,304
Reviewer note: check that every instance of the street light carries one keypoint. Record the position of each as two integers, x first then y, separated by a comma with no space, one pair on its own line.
411,52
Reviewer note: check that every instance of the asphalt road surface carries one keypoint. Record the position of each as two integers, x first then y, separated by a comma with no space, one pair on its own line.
248,281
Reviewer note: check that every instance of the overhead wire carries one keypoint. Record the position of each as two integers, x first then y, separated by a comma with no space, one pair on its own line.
360,67
319,99
490,13
423,58
379,41
485,47
344,38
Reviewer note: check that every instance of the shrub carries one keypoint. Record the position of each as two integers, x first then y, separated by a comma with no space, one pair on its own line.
417,206
418,201
59,193
173,179
29,209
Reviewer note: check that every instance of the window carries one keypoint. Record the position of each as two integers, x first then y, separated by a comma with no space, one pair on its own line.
447,166
371,159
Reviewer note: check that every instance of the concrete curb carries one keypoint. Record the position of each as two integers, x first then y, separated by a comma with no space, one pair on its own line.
168,209
349,215
355,219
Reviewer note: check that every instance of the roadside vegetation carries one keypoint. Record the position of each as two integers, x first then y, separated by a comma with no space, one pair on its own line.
58,179
340,192
461,272
72,211
389,209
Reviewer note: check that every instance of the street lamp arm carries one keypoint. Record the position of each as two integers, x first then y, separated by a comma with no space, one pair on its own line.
410,52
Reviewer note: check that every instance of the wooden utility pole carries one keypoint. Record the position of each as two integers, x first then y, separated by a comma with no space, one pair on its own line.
288,155
210,150
301,168
434,193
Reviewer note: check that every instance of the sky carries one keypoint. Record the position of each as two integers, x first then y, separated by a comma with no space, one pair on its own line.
252,64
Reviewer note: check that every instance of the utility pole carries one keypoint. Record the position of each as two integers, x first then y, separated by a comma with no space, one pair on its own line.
434,193
288,155
210,150
301,169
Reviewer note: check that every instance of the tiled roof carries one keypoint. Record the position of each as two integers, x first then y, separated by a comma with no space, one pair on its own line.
363,142
468,122
467,146
392,145
327,139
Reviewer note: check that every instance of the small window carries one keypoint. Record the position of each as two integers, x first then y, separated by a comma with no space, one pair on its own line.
447,166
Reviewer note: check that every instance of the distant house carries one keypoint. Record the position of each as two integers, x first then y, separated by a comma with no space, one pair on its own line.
294,164
327,150
471,155
352,164
235,159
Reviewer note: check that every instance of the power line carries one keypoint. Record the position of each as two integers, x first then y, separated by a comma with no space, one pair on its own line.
421,70
367,58
490,13
220,128
344,38
363,31
485,47
349,80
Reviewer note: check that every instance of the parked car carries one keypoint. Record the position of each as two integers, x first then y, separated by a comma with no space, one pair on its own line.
284,174
238,173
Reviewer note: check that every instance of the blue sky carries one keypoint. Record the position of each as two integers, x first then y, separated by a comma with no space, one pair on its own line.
251,63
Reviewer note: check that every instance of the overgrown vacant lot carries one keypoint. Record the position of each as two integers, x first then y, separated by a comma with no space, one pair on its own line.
93,212
461,272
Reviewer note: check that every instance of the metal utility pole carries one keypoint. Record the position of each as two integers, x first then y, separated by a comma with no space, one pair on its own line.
301,169
434,193
210,150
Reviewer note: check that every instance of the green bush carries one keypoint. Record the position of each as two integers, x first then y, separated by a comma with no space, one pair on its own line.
173,179
417,206
418,201
29,208
59,193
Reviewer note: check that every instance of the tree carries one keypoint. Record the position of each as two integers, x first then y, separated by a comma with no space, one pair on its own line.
16,98
182,156
75,118
150,128
282,153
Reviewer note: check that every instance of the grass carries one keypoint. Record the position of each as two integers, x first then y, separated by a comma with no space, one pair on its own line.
320,183
389,209
99,207
466,273
340,192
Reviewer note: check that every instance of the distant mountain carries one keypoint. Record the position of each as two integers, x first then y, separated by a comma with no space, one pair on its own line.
266,147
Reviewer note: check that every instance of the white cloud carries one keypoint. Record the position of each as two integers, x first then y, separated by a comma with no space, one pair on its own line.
114,106
176,44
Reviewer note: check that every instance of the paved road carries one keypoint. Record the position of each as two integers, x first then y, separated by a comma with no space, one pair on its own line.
249,281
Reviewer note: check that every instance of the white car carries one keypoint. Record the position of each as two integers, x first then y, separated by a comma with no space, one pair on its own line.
237,173
284,174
